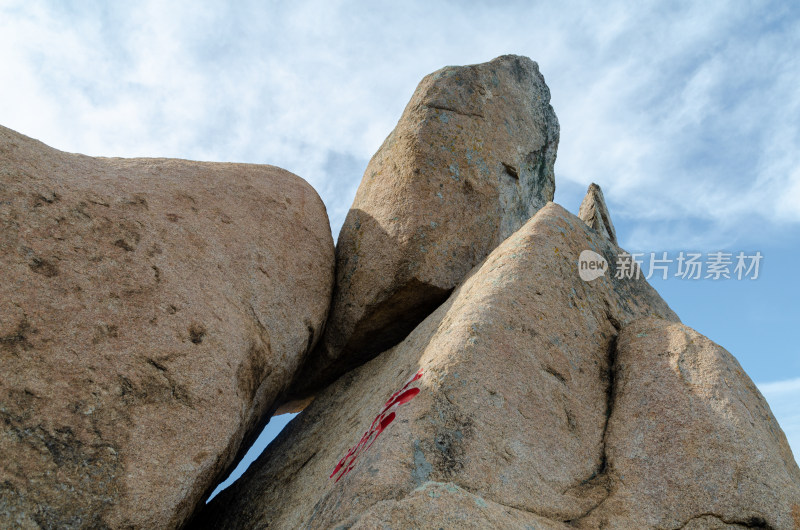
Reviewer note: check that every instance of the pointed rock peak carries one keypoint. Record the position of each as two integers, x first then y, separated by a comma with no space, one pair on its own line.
594,213
470,161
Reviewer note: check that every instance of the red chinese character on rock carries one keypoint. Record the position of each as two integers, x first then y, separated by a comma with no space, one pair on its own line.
381,421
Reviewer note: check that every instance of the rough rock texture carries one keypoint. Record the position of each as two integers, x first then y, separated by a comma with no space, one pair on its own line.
691,442
594,213
511,416
445,505
469,162
150,312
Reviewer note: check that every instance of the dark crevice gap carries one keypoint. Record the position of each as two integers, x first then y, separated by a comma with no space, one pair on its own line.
752,522
601,477
391,320
611,396
389,323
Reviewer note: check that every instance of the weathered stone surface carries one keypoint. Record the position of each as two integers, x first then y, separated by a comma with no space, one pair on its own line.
594,213
469,162
150,312
512,406
440,505
691,443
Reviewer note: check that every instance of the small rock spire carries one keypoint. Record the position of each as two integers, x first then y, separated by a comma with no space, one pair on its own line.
594,213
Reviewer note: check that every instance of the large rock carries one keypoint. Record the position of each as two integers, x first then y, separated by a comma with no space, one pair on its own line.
509,421
469,162
691,443
151,310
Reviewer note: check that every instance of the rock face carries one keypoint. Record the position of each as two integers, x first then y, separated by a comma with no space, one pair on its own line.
510,418
704,451
469,162
445,505
594,213
150,312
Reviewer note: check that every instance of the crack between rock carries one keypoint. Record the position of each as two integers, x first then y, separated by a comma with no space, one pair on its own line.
752,522
306,462
456,111
520,508
602,476
604,469
486,498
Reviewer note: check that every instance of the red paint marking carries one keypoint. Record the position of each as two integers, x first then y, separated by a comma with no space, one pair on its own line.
386,421
405,397
381,421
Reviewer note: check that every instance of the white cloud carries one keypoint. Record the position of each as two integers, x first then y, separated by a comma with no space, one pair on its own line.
686,111
777,389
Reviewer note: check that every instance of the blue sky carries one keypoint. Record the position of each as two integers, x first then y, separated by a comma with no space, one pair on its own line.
687,115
